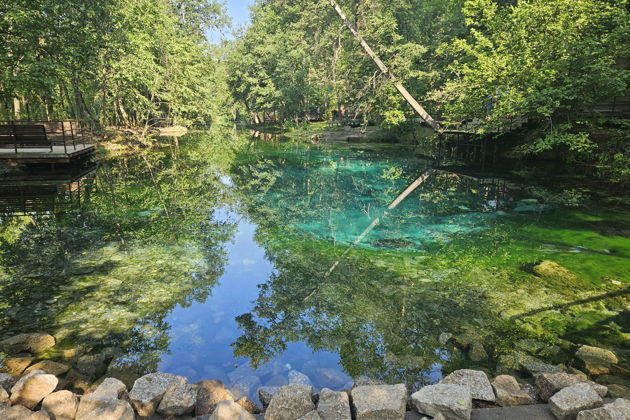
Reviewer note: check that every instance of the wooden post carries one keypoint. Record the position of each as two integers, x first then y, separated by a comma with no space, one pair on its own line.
379,63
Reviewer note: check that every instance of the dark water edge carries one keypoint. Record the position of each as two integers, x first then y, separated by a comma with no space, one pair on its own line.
212,257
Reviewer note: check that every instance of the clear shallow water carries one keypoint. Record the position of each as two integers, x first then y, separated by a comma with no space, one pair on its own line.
229,258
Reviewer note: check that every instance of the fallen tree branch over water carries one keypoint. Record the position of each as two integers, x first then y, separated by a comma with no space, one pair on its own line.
379,63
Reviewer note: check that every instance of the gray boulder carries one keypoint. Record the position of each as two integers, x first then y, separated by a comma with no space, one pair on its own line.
547,384
596,360
617,410
476,380
229,410
568,402
178,400
453,402
333,405
380,402
147,391
509,392
32,388
265,393
209,394
290,403
61,405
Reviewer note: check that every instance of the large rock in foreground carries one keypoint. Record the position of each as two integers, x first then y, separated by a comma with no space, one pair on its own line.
32,388
453,402
617,410
61,405
380,402
333,405
290,403
596,361
109,410
567,403
178,400
547,384
476,380
147,391
509,392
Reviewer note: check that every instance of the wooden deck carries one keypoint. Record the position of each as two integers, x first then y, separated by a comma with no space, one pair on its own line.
59,154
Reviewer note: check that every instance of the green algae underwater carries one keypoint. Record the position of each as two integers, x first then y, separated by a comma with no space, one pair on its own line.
218,252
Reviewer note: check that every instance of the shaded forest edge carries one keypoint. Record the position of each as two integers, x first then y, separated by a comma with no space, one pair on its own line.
558,68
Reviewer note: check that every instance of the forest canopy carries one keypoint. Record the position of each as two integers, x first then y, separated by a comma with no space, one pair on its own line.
112,62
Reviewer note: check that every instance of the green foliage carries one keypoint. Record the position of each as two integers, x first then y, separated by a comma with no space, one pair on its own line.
544,60
113,62
298,61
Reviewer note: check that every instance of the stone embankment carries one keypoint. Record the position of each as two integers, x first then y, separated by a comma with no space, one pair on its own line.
33,389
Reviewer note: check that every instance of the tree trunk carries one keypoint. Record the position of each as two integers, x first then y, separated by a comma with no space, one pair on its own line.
398,85
17,109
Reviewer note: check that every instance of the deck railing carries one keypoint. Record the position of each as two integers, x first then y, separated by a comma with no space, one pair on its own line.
66,133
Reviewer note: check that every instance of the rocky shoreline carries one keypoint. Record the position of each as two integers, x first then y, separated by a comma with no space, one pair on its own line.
33,386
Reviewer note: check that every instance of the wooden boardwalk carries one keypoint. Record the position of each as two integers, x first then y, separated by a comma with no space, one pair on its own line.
58,154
